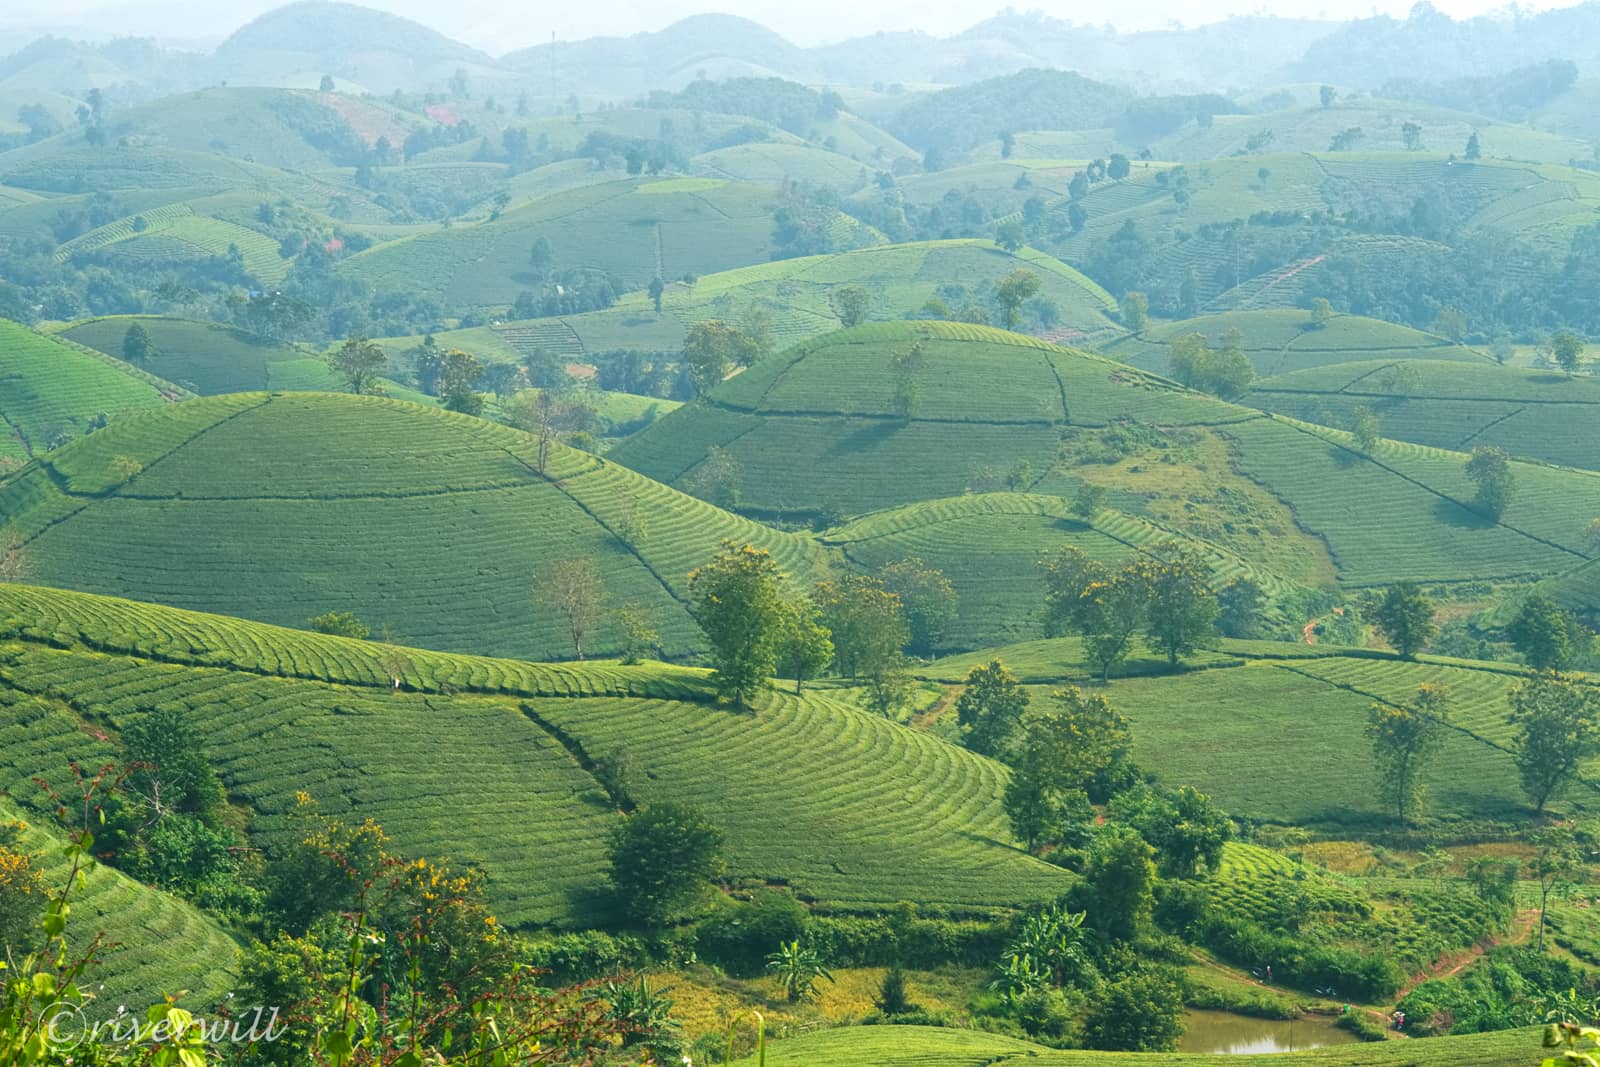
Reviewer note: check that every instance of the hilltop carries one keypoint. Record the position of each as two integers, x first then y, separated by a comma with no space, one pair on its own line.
885,814
53,390
433,525
208,357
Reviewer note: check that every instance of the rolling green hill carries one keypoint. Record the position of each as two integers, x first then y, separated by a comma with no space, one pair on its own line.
53,390
432,524
777,163
1540,414
795,294
885,814
918,1046
1284,341
156,945
210,358
634,230
816,427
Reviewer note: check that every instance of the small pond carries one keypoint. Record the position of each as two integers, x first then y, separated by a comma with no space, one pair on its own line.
1224,1032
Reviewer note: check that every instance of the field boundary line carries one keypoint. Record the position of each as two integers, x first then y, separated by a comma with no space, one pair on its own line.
1486,427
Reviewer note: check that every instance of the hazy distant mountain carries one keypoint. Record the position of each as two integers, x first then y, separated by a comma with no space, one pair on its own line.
717,46
379,51
1428,45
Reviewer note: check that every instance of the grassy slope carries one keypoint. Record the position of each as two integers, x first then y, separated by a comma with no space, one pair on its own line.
1283,341
1541,414
208,357
281,507
916,1046
795,294
160,946
632,229
51,389
464,762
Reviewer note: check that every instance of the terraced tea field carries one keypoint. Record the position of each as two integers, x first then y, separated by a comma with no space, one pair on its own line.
53,390
210,358
634,230
281,507
1284,342
884,814
1538,414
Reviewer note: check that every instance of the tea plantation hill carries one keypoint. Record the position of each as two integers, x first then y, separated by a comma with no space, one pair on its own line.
209,357
52,390
164,945
918,1046
284,506
1283,341
882,814
1542,414
815,431
1224,724
635,230
795,294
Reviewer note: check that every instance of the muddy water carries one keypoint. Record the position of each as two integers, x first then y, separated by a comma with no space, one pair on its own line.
1224,1032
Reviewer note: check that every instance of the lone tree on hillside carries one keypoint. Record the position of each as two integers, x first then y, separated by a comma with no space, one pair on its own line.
1403,738
737,599
1473,149
360,362
1364,425
1009,235
1548,636
136,344
458,379
573,587
1490,470
1328,94
661,860
551,414
990,709
1012,291
1566,350
1182,607
1135,310
870,634
1321,312
849,302
657,288
712,349
1411,134
1552,867
805,646
1118,167
1405,618
1558,729
339,624
326,84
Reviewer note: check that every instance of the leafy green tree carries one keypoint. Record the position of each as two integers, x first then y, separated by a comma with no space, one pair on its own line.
1474,151
1086,741
903,367
1139,1012
805,647
639,634
1411,134
1403,739
1405,618
1087,500
1032,798
136,344
1321,312
574,588
1557,730
552,414
1077,216
1182,607
990,709
1110,612
340,624
661,859
360,363
798,968
1490,470
171,773
1118,167
1121,881
657,289
1566,350
1364,425
1012,291
457,381
1328,95
1186,829
1452,323
927,598
1548,636
1135,309
719,479
1010,236
1555,862
712,349
1240,605
737,599
849,302
870,634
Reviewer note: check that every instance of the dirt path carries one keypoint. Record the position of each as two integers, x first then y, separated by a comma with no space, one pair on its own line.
924,720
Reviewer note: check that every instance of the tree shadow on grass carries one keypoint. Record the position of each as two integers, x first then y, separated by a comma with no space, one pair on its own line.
866,438
1454,513
1344,458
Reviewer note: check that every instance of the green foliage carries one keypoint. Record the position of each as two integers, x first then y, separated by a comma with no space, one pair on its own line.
1364,426
660,861
927,598
1120,883
1403,739
1566,350
1135,308
1140,1012
458,379
1182,608
990,709
1185,828
1405,617
1557,726
805,645
1012,291
738,602
360,363
798,968
1549,637
575,589
340,624
870,633
1489,468
712,349
849,302
1240,604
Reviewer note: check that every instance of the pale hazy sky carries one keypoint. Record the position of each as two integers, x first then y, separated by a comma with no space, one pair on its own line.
497,26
